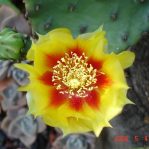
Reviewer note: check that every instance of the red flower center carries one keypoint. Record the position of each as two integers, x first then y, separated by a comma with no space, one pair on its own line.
72,75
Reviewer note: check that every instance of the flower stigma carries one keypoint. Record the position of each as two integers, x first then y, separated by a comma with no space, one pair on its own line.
72,75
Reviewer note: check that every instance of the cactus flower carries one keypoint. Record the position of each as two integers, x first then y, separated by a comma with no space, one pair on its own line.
75,84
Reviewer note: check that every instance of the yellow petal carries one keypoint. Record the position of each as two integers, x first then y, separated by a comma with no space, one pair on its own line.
94,44
126,58
38,98
56,41
26,67
78,125
53,118
31,52
24,88
97,131
114,71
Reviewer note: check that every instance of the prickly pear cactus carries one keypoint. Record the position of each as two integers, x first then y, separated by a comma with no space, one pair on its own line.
11,44
124,21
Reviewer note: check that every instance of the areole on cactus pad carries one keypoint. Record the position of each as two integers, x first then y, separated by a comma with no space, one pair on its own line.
75,84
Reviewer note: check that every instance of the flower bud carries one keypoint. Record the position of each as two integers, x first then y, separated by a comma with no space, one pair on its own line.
11,44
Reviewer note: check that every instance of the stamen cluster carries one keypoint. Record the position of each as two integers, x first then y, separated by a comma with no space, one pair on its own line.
74,76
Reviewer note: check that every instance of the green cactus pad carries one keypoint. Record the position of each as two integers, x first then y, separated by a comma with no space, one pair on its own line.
11,44
123,20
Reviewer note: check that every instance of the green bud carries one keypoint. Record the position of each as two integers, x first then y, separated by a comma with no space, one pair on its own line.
11,44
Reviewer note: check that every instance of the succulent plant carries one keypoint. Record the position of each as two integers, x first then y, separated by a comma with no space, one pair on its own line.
78,142
4,65
10,79
75,141
18,125
12,99
10,4
25,128
21,77
11,16
6,13
11,44
124,21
